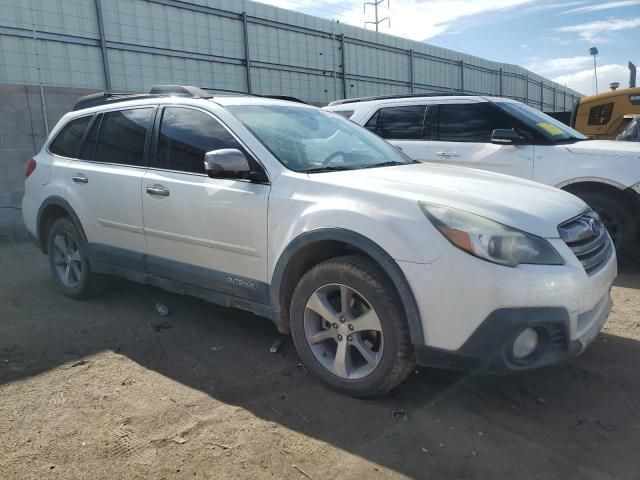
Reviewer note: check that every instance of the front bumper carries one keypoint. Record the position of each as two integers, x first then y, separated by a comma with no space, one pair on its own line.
490,346
472,310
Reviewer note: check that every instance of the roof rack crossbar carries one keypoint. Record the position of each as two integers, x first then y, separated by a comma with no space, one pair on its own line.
390,97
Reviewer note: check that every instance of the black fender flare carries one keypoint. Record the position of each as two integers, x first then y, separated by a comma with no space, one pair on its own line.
377,253
62,203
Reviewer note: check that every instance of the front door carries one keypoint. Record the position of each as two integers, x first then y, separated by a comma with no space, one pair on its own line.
205,232
461,135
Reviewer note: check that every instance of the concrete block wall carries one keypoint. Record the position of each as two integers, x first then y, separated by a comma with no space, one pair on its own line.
22,134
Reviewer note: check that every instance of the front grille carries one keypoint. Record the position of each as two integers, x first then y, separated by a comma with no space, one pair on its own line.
587,238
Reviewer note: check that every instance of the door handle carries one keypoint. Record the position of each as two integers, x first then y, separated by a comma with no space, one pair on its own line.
79,178
447,154
157,190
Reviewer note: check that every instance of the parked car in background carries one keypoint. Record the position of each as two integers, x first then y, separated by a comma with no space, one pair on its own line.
507,136
373,261
632,132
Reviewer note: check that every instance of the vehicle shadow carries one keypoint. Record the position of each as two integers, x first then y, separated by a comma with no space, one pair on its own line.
628,275
577,419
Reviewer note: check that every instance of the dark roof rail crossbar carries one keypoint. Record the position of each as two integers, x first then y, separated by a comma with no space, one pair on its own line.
398,96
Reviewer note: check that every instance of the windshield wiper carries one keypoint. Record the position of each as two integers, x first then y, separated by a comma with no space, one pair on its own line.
388,164
328,168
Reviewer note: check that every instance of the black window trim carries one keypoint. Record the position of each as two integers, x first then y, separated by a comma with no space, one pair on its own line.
427,114
153,151
100,115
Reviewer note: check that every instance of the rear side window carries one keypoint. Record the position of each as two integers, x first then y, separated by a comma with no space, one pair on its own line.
469,122
600,115
123,136
399,123
186,135
68,140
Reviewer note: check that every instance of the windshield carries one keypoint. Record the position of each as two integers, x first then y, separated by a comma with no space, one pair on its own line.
551,129
631,132
308,140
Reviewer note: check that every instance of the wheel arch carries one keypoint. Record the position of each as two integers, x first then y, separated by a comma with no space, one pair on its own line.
627,195
53,208
313,247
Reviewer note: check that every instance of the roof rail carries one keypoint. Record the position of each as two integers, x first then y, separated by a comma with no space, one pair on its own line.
104,98
182,90
390,97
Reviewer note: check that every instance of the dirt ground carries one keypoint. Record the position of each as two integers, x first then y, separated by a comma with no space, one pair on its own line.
108,389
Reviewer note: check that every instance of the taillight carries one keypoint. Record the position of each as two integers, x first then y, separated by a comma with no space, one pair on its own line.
29,167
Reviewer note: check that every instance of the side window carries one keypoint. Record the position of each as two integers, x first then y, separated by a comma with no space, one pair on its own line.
402,123
372,124
600,115
186,135
122,136
68,140
469,122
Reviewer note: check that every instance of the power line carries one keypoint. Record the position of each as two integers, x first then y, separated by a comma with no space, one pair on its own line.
378,20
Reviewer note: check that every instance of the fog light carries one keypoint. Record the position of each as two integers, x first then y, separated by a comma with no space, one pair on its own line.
525,343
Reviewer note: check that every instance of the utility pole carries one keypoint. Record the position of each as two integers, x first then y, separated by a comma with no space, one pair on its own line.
378,20
594,51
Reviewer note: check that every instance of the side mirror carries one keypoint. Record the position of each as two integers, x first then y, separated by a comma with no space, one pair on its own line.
506,136
226,163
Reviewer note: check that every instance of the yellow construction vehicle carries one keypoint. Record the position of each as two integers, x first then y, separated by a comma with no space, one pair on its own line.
606,115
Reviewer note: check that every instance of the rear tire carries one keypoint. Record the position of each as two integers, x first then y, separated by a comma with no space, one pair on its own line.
617,218
69,262
359,344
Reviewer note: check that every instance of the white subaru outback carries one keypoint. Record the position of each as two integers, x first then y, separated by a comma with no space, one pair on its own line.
371,260
506,136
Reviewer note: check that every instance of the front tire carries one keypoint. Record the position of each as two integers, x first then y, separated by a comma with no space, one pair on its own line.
69,261
349,327
617,218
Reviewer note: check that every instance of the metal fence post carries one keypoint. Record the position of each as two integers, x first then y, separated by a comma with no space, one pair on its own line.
103,46
501,82
526,88
462,75
344,67
247,57
541,96
411,70
554,98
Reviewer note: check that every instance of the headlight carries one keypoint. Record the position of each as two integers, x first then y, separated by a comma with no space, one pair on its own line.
490,240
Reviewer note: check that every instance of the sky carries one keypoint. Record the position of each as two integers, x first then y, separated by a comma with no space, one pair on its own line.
551,38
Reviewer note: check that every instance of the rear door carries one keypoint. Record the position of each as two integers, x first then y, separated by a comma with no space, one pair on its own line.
461,135
104,183
202,231
405,126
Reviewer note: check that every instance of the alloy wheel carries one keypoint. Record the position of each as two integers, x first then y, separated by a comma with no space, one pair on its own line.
343,331
67,260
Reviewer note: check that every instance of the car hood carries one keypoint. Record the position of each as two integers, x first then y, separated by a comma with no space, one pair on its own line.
522,204
605,147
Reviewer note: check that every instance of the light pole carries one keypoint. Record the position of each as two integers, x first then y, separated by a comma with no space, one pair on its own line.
594,51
